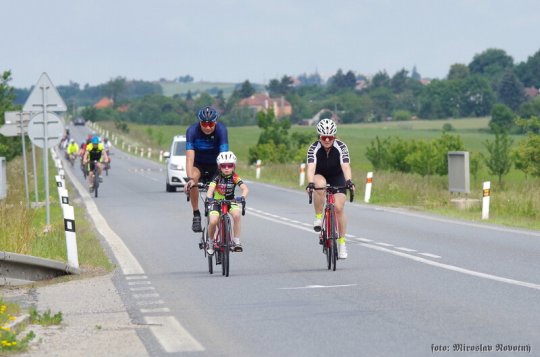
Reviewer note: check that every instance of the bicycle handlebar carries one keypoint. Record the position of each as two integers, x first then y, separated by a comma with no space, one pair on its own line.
332,189
221,201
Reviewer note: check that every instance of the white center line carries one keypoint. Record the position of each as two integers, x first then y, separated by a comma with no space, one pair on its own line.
406,249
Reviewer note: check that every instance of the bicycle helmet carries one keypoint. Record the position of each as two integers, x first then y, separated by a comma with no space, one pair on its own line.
207,114
226,157
95,140
326,127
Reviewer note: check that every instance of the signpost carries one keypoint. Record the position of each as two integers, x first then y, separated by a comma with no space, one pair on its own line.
45,129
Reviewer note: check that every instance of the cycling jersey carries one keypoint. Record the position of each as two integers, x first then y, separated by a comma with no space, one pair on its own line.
72,149
94,152
225,185
207,147
328,164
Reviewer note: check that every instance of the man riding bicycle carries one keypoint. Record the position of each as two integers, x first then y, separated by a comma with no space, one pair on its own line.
204,141
94,155
328,162
72,150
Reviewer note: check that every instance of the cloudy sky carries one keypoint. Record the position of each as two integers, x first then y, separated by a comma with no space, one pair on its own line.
93,41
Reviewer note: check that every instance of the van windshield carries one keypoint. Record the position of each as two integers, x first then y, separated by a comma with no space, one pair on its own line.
179,148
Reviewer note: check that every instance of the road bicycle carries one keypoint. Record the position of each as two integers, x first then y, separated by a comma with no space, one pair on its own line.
223,237
203,243
329,234
95,179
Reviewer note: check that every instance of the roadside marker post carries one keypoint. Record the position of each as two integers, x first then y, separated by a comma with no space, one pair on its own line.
302,174
485,199
160,155
258,169
71,238
369,182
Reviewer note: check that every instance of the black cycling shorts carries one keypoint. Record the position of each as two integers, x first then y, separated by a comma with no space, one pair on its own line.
337,180
207,172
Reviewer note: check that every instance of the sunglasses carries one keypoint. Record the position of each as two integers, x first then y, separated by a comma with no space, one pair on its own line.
208,124
226,166
327,137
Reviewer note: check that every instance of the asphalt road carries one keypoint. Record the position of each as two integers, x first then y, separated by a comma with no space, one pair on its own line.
413,284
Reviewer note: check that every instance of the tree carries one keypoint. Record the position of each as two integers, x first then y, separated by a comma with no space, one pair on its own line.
491,63
499,162
502,118
114,87
529,72
398,83
458,71
527,155
511,91
380,79
246,90
415,75
278,88
9,146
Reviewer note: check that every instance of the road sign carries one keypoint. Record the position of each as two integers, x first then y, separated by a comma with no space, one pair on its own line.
12,126
36,130
34,103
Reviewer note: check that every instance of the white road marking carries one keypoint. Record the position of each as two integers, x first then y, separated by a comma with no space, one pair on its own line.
143,288
172,335
406,249
140,277
139,283
318,287
155,302
127,262
431,255
156,310
418,259
455,268
144,296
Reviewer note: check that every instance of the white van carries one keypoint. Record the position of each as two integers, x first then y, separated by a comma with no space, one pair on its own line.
176,164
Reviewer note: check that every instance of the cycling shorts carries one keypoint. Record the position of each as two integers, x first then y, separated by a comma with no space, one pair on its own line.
216,208
207,172
337,180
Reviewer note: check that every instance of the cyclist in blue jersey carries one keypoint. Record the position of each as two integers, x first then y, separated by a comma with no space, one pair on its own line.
204,141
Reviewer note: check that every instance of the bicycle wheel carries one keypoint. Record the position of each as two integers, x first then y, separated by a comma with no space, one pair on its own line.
333,240
96,183
226,244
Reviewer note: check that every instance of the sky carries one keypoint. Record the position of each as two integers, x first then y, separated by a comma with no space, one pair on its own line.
94,41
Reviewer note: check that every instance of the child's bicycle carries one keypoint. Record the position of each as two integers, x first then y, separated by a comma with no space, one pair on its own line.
223,243
330,229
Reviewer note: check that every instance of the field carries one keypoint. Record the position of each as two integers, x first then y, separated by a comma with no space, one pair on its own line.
515,203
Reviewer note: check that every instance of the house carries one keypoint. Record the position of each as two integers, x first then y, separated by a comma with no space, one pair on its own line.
262,101
104,103
531,92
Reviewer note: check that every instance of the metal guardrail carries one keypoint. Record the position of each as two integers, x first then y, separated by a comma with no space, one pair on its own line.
20,269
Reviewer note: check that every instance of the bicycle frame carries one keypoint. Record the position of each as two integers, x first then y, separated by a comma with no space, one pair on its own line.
330,227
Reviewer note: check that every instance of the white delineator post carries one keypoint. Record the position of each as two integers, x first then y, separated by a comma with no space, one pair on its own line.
369,182
258,169
71,238
160,155
485,200
302,174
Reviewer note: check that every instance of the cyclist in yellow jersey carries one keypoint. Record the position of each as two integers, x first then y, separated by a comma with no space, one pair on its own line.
72,150
95,152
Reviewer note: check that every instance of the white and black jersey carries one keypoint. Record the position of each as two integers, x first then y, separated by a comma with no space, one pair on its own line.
328,164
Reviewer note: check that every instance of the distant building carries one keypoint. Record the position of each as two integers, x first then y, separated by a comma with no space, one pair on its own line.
263,102
104,103
531,92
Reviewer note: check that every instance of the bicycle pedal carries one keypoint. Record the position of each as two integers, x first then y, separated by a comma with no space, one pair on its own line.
201,245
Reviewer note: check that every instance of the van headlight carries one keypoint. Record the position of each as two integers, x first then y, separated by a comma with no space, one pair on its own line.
175,167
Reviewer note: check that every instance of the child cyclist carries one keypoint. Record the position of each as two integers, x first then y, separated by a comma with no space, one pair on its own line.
222,186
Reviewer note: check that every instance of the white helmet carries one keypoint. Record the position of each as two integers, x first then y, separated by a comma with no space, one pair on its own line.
326,127
226,157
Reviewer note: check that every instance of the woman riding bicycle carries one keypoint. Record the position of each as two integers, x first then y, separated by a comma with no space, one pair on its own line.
222,187
328,162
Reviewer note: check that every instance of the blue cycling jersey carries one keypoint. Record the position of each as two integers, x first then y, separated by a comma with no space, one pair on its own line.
207,147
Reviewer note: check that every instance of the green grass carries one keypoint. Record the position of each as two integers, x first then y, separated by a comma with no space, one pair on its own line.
514,203
23,228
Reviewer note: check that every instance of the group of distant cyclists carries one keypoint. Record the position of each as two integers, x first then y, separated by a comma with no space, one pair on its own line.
93,152
209,161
